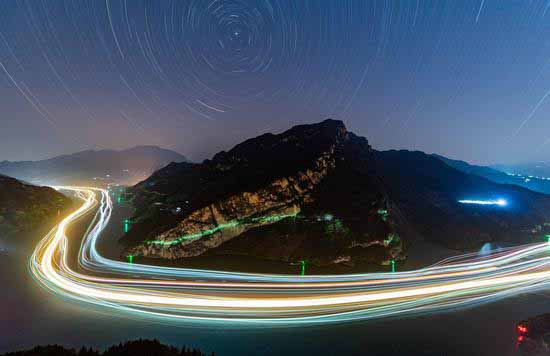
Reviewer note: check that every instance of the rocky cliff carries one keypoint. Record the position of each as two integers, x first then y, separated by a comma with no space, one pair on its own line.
306,174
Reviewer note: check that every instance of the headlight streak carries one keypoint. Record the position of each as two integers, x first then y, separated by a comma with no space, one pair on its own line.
215,296
498,202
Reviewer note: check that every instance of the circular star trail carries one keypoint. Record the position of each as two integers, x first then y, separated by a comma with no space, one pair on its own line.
199,76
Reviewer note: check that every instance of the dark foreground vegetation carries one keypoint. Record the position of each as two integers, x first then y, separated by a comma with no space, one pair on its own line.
131,348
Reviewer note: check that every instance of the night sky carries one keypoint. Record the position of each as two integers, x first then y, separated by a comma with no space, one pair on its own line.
467,79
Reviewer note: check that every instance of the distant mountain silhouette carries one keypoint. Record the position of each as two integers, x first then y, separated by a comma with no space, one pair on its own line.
24,207
320,193
125,166
497,174
130,348
533,169
483,171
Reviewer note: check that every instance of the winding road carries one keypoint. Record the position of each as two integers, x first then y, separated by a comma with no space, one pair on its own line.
216,296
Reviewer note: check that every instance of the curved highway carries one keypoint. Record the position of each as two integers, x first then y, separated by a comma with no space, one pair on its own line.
191,294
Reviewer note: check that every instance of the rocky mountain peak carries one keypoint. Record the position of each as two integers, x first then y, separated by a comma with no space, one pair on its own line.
296,147
258,182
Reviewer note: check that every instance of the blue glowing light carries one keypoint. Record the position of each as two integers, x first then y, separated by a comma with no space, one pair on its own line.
498,202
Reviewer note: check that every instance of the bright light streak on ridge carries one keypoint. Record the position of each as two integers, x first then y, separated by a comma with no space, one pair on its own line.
499,202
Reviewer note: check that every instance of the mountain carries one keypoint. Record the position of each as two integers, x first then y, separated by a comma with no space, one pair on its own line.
535,174
311,178
497,174
535,169
482,171
87,167
426,191
320,193
24,207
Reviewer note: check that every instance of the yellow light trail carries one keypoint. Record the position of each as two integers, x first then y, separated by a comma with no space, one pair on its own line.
184,294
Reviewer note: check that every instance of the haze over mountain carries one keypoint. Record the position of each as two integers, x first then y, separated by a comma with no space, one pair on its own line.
94,167
320,193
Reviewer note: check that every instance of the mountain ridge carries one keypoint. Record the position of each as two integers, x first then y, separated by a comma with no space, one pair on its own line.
496,175
117,166
255,184
320,177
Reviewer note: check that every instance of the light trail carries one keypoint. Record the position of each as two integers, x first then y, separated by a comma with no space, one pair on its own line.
499,202
192,294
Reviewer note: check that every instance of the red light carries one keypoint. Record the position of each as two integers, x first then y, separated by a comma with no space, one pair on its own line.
522,329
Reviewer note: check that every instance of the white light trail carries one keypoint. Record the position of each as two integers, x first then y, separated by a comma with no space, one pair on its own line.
499,202
207,295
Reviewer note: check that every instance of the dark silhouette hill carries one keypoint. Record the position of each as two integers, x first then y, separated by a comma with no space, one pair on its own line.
24,207
426,191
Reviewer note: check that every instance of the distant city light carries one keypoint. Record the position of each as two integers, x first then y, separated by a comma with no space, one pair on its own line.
499,202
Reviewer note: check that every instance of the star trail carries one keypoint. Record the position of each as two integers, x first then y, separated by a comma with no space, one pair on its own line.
199,76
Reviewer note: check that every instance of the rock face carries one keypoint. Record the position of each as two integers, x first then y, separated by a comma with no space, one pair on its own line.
322,194
24,207
283,197
300,174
